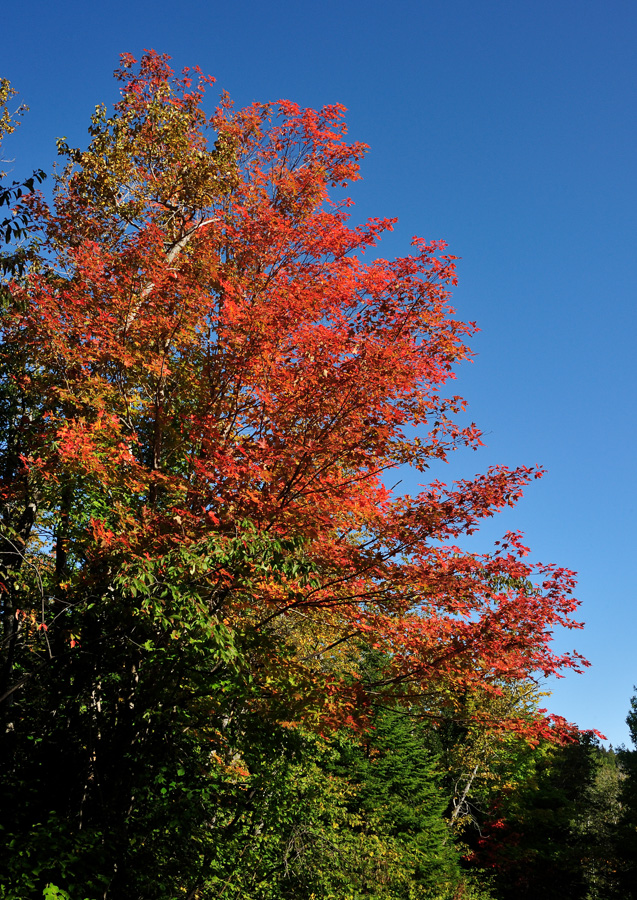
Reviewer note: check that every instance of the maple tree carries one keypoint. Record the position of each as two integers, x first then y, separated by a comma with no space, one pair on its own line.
205,386
212,350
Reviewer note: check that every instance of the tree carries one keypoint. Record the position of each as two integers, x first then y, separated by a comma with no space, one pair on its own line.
535,838
208,388
626,829
599,824
15,226
398,807
484,759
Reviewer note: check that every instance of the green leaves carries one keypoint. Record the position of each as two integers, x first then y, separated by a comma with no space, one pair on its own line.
51,892
16,226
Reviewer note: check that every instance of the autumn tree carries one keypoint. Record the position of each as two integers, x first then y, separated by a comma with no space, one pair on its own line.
210,386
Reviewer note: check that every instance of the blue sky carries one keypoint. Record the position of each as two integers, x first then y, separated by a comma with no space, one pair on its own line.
507,129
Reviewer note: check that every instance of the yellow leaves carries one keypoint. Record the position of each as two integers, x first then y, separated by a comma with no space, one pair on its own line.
8,120
149,164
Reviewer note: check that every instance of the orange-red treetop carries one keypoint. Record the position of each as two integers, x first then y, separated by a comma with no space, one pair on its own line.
211,348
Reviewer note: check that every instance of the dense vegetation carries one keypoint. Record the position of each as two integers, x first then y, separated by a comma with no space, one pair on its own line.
235,663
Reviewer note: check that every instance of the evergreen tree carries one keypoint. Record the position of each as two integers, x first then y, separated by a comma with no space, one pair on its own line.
627,827
400,805
598,825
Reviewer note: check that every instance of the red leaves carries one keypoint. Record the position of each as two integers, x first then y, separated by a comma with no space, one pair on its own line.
219,353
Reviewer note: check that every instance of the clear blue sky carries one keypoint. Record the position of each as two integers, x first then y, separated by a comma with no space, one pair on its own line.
507,129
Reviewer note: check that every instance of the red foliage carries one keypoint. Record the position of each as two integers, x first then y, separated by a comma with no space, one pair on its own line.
212,349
